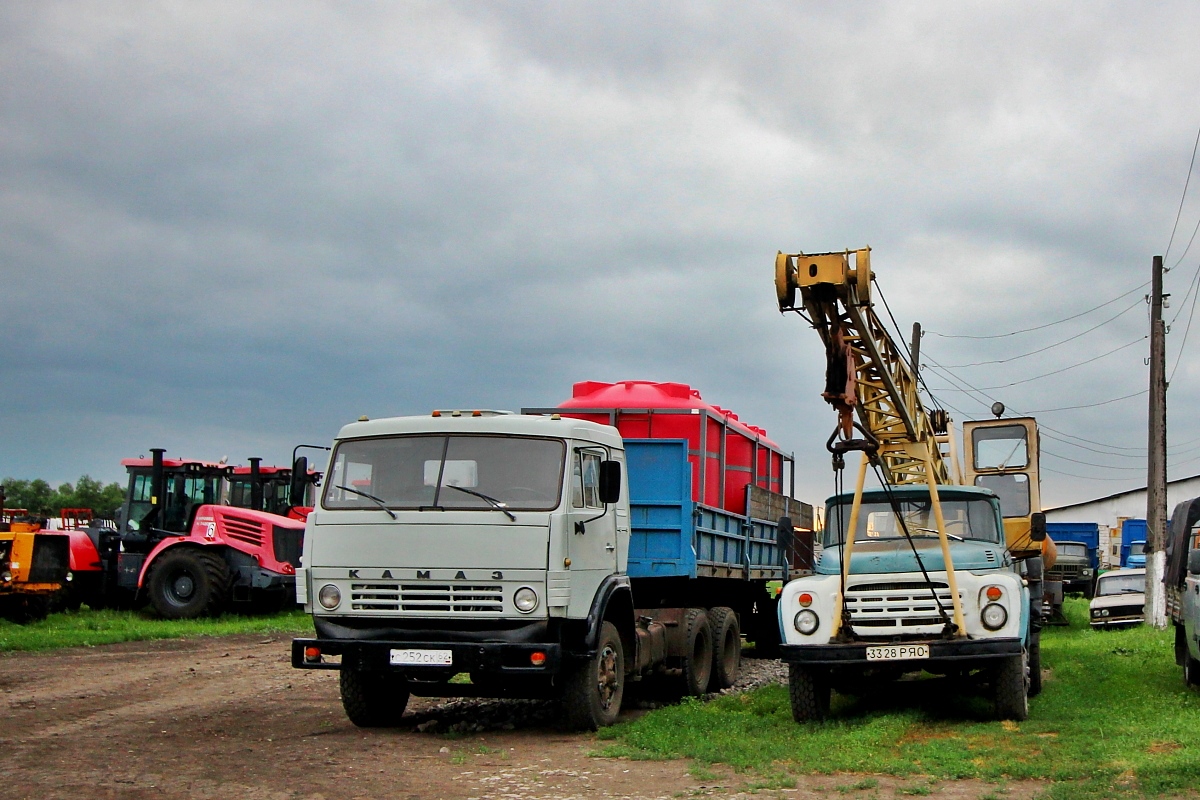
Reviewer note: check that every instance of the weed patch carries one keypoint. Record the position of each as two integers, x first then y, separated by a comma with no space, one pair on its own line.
86,628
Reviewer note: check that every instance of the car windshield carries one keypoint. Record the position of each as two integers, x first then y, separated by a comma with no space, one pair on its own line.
1121,584
424,471
965,519
1137,549
1071,549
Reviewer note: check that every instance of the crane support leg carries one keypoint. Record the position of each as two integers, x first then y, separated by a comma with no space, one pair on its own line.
848,546
920,450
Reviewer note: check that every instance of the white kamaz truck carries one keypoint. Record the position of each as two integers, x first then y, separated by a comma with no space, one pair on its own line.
537,555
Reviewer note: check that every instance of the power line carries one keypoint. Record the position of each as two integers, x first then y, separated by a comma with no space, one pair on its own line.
1048,324
1084,477
1191,314
1088,405
1090,464
1183,197
1047,374
1049,346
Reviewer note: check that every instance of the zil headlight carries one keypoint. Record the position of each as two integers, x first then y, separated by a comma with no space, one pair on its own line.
526,600
330,596
994,616
806,622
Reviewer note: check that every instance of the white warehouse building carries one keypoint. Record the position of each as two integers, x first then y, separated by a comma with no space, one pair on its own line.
1110,511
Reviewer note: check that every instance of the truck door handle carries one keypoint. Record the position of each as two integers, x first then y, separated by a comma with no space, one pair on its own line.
610,547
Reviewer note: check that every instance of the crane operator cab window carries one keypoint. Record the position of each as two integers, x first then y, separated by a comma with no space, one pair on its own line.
1003,448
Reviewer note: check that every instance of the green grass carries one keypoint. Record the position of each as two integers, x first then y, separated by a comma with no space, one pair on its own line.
1114,720
88,628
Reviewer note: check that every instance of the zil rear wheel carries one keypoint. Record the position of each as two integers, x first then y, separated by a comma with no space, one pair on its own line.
1010,687
188,583
593,690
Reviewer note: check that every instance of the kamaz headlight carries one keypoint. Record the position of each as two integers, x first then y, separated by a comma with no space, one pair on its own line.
994,616
330,596
526,600
806,621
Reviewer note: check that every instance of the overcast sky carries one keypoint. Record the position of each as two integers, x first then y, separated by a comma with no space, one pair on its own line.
226,229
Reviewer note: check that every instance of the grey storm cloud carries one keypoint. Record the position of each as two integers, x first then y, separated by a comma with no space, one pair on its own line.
229,228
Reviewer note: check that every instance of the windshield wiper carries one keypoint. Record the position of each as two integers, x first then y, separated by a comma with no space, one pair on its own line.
496,504
377,501
953,536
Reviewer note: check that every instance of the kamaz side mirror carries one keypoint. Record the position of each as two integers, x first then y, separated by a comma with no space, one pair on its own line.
299,482
610,481
1037,527
1194,562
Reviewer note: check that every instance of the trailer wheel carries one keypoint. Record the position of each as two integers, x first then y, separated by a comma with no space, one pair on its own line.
1035,663
593,690
1191,671
727,648
373,699
188,583
698,652
1010,687
809,692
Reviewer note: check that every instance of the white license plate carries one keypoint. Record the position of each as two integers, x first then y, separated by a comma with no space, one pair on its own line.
422,658
897,652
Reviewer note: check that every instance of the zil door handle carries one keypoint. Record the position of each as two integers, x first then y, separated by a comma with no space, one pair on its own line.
610,547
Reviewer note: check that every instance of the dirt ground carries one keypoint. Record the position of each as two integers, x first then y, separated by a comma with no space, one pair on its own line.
229,718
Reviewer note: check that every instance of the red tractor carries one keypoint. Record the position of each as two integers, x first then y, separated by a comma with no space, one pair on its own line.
273,489
179,547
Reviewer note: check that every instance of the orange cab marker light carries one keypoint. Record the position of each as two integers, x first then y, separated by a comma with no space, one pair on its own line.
805,600
436,413
537,658
476,413
993,593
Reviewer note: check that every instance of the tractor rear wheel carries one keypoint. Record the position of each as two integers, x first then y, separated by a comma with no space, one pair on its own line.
373,699
186,582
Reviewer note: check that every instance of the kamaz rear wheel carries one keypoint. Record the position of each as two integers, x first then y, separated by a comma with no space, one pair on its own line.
727,648
698,653
373,699
809,692
187,582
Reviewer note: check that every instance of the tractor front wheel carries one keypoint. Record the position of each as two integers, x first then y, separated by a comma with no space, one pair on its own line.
185,583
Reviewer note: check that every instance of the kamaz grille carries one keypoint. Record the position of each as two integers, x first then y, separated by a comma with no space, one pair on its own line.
245,531
889,608
427,597
51,559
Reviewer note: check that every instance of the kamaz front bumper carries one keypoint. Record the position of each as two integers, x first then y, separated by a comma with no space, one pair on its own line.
941,651
530,659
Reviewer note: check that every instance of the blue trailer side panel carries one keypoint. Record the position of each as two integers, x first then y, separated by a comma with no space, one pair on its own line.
660,508
1085,533
670,536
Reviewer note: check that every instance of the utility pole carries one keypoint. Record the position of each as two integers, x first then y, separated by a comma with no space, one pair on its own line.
1156,471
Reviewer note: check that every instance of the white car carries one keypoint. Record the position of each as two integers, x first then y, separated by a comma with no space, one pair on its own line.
1120,598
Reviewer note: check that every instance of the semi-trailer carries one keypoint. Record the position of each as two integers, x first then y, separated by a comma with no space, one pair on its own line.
546,554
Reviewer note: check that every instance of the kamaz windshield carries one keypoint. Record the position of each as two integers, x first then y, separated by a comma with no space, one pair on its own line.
436,471
965,519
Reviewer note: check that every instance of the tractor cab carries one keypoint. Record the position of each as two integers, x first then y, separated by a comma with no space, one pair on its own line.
271,489
168,502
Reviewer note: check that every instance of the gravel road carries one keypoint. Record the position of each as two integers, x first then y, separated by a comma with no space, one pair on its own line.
229,718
